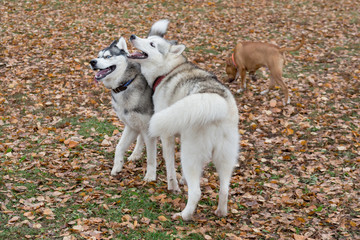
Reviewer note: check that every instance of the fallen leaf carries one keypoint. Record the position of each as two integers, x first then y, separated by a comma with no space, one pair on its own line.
273,103
13,219
299,237
162,218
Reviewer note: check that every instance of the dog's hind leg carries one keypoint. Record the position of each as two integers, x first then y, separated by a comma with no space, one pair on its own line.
276,76
224,159
192,160
137,153
168,146
284,89
126,139
271,86
150,143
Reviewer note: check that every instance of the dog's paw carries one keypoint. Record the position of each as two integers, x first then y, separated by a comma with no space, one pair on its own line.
287,102
174,188
150,177
220,212
176,216
116,170
264,92
184,217
240,90
134,156
182,181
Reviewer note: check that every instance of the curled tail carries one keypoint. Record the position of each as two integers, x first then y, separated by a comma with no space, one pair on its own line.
287,49
193,110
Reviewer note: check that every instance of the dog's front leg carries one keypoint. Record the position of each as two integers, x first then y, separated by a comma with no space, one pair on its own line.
242,72
168,144
126,139
136,154
150,143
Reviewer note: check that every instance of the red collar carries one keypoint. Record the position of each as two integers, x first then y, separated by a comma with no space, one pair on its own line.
160,78
158,81
233,59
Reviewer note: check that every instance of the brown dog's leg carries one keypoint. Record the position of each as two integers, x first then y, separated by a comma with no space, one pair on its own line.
284,89
271,86
242,80
278,80
253,76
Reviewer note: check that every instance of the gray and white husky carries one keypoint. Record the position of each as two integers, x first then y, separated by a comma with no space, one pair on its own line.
132,102
191,102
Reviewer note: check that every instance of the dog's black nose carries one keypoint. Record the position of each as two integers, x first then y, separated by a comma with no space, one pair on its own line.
93,62
132,37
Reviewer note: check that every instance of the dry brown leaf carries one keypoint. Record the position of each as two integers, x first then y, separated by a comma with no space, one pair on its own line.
162,218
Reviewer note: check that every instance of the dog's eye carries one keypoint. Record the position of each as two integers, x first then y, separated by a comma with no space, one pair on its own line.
108,56
152,44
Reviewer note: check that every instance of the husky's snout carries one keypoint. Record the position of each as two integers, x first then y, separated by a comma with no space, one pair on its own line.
132,37
93,63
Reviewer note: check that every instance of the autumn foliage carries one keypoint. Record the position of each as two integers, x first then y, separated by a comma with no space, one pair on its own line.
298,175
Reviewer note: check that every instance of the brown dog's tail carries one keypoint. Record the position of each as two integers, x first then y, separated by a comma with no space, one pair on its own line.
287,49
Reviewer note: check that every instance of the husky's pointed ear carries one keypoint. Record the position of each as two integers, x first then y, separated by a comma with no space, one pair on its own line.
121,44
173,42
177,49
159,28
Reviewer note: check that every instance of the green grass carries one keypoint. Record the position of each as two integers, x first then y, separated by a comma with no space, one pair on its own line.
136,202
101,127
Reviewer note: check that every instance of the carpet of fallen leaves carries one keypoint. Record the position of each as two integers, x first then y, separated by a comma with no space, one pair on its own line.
298,175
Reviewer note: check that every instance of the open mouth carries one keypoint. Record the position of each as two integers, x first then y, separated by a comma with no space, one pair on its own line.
138,55
104,72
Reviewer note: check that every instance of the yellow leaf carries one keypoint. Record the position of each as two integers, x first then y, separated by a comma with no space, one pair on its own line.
162,218
71,143
286,158
300,219
352,223
290,131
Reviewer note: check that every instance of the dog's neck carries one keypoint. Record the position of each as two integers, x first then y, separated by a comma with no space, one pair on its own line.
160,78
124,86
152,71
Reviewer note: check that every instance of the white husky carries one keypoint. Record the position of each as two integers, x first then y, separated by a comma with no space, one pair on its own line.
191,102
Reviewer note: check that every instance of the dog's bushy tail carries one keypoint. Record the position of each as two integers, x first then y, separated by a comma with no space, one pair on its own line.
192,111
159,28
287,49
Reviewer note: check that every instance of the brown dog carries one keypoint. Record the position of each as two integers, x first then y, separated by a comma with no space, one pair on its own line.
250,56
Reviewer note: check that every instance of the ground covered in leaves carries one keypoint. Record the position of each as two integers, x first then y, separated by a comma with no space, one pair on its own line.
298,175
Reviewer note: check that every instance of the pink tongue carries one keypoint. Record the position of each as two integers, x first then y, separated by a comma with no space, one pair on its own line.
102,73
137,54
